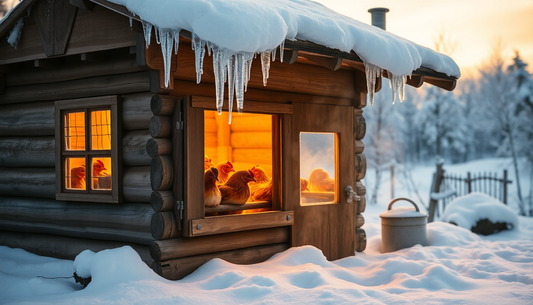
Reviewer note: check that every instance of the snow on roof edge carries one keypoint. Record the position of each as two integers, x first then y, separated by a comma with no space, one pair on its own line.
261,25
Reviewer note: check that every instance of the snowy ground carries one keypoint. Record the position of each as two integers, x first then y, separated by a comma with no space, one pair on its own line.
456,267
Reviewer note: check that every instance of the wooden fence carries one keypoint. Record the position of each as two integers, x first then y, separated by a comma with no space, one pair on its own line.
446,187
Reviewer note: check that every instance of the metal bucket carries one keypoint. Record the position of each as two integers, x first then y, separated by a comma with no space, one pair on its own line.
401,228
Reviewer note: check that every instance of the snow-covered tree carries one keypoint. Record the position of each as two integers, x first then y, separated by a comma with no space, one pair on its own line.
441,124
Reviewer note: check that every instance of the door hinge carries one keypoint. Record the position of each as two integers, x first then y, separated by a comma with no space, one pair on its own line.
180,206
179,125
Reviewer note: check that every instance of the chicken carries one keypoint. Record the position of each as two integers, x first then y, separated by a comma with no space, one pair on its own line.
212,196
303,185
320,181
236,189
77,177
207,163
261,190
224,169
98,172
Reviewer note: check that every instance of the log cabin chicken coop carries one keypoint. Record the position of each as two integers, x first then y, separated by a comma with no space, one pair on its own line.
117,129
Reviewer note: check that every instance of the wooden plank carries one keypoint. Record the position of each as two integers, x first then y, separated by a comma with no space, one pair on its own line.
258,139
258,95
223,140
331,63
27,151
136,184
235,223
30,119
134,148
175,269
90,33
248,206
28,182
65,247
136,113
251,122
249,106
194,164
183,247
93,86
258,155
448,85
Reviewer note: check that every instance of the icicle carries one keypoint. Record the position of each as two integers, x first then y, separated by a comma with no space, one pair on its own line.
157,38
372,72
397,84
274,54
281,48
176,35
220,63
131,22
198,45
231,84
147,29
248,60
265,66
167,41
240,71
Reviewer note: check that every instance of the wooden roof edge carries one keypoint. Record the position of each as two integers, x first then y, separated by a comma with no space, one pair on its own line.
17,12
436,78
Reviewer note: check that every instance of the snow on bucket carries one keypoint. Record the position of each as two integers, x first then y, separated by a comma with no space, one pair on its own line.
402,227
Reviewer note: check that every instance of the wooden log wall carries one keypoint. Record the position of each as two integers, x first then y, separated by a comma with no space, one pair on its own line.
360,172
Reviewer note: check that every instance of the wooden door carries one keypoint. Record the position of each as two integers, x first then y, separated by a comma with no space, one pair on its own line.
328,225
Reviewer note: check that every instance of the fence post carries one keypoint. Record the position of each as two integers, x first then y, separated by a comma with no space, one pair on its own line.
469,182
436,189
505,186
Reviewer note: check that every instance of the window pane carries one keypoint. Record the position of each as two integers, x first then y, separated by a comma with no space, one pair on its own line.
101,173
101,130
75,131
318,167
75,174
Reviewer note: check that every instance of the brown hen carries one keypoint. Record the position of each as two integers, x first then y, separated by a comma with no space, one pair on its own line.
236,189
212,196
224,169
320,181
262,189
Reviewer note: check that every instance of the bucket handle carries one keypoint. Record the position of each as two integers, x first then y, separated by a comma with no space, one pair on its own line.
406,199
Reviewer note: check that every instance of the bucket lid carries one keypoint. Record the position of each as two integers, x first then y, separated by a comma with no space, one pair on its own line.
403,212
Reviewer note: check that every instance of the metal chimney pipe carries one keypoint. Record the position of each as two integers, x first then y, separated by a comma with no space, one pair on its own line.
378,17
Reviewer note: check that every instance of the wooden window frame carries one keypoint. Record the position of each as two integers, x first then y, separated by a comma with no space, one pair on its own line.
195,223
86,105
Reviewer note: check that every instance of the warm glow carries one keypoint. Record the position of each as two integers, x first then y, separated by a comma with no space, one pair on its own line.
101,130
75,131
101,173
317,167
75,173
246,143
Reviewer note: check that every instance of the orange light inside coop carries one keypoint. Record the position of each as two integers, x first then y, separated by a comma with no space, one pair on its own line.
101,130
75,131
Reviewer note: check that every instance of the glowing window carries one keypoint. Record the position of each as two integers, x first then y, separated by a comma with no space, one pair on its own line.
87,150
318,168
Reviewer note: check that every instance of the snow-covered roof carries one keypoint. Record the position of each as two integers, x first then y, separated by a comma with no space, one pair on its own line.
257,26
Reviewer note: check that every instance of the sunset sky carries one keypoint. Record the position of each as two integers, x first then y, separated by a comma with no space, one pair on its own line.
473,24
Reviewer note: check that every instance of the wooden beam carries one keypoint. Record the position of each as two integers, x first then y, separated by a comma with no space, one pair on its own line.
28,119
159,147
415,81
163,104
136,113
55,20
136,184
249,106
289,56
332,63
161,173
93,56
164,226
157,82
162,201
182,247
443,84
235,223
175,269
134,148
27,151
65,247
47,63
2,83
83,4
93,86
224,208
160,126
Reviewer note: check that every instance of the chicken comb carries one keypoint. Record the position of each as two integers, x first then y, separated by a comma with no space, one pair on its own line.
101,163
